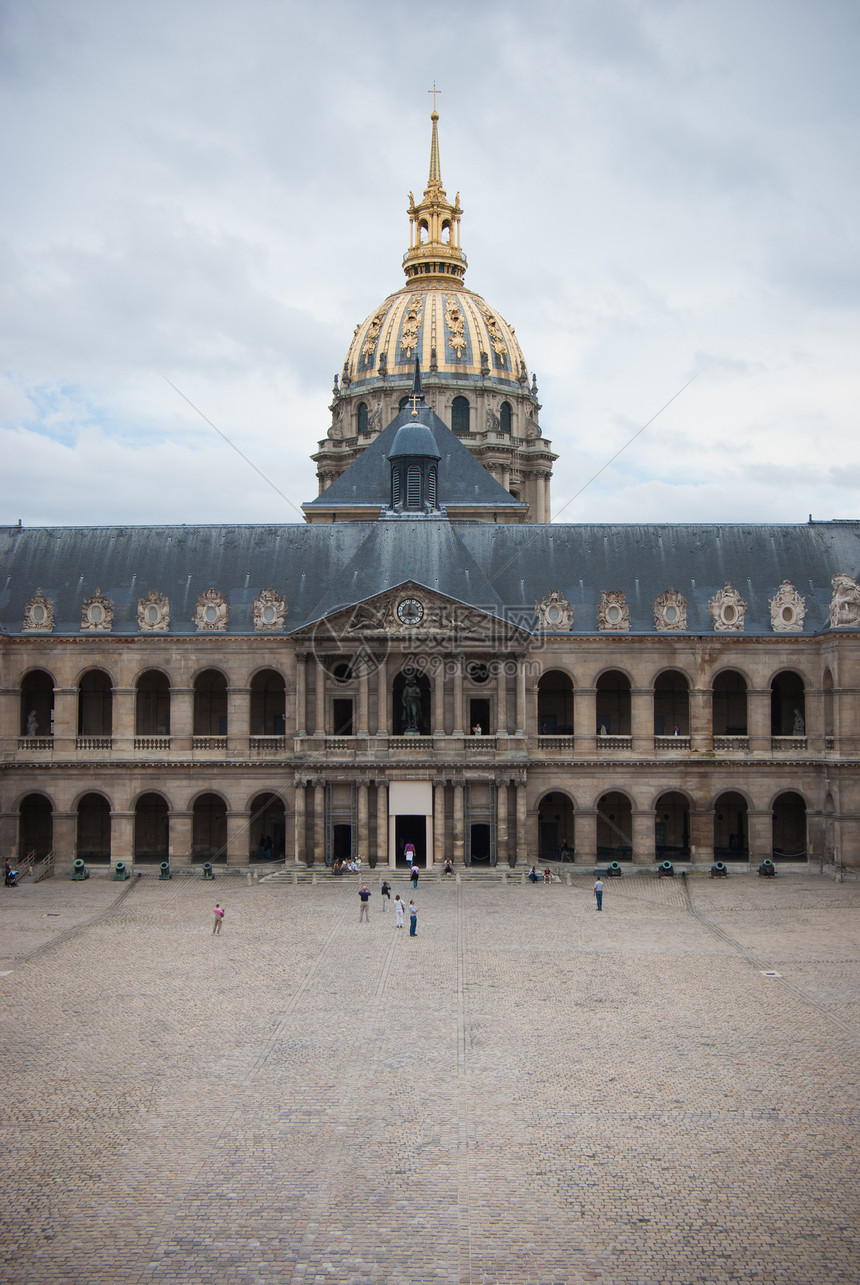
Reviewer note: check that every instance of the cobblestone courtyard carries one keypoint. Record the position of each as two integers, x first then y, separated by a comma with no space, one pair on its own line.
527,1091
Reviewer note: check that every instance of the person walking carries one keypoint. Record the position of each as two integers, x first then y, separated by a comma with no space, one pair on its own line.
414,876
398,911
219,919
364,912
385,892
413,918
598,892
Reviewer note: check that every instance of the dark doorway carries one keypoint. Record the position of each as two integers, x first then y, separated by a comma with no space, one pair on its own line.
411,829
479,716
341,841
479,843
343,717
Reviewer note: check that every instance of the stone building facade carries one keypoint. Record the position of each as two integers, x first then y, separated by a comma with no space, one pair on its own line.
420,663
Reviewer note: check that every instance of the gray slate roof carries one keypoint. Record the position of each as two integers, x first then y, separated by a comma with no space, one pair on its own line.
462,480
501,568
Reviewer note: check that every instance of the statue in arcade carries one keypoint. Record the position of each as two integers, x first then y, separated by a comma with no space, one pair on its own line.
411,705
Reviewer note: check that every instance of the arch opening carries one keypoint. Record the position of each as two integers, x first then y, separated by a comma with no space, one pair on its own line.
151,828
731,828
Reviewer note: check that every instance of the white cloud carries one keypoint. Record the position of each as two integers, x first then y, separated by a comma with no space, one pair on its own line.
216,193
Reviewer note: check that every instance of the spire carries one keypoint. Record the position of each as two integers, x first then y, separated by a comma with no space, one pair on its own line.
435,175
434,223
417,391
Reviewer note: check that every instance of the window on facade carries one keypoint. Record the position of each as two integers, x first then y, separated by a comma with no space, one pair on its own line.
460,415
505,417
413,487
431,487
362,417
395,486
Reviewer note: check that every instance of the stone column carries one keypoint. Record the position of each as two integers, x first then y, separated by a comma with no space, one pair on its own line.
238,721
502,820
459,821
642,721
363,694
531,716
758,721
439,821
382,853
238,839
644,837
438,720
814,703
585,721
522,824
299,837
585,836
122,837
9,834
181,719
65,720
123,716
502,699
702,722
65,837
383,724
760,822
319,700
522,725
459,665
702,835
301,693
363,821
10,725
319,824
179,831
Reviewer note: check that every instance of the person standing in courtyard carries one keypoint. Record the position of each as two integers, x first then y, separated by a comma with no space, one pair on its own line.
413,919
219,919
385,891
598,892
364,895
414,876
398,911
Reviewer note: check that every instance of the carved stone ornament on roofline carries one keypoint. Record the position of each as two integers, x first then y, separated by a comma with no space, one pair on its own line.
153,613
554,613
97,613
211,614
728,610
845,603
613,614
670,612
270,612
39,614
787,610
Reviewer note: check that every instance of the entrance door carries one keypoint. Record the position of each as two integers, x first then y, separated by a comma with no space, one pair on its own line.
411,829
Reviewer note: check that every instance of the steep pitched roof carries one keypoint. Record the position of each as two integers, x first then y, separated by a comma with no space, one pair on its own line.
462,480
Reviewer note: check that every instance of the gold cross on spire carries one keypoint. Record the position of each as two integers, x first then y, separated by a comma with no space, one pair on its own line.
434,91
415,399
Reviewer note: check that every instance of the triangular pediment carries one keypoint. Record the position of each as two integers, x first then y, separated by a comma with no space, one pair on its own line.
413,615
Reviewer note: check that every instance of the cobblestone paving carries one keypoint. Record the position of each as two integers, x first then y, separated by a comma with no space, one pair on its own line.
527,1092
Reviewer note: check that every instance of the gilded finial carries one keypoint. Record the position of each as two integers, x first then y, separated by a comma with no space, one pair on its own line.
434,241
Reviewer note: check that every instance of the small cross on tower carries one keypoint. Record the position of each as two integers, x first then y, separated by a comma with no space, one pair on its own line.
434,91
415,399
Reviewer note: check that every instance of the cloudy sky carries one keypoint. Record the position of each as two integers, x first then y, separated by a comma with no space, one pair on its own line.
213,193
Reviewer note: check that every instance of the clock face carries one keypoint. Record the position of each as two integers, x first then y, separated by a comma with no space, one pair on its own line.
410,611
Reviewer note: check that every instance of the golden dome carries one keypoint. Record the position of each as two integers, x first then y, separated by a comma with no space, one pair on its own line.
451,330
434,317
